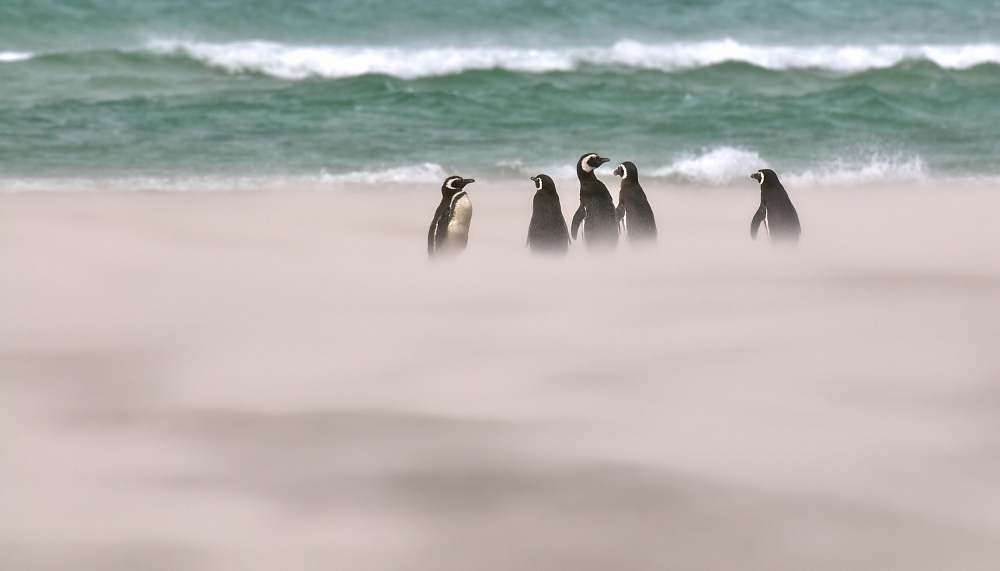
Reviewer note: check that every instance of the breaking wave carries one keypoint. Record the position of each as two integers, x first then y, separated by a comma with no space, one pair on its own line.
424,173
300,62
728,165
7,57
717,166
721,166
880,168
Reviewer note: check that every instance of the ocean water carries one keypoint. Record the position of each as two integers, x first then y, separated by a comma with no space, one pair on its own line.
393,91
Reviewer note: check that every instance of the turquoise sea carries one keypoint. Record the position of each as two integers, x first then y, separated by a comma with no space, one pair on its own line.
394,91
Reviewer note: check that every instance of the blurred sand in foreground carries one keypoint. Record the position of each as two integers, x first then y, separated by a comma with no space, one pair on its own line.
280,380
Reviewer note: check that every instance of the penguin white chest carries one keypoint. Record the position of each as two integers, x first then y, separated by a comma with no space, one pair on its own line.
461,217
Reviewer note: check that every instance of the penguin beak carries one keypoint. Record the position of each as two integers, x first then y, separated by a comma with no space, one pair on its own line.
756,176
468,180
603,160
534,179
618,171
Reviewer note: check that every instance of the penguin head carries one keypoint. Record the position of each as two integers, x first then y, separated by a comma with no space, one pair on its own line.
456,183
543,182
589,162
764,175
627,170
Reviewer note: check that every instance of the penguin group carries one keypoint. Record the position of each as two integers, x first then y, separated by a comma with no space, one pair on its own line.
597,221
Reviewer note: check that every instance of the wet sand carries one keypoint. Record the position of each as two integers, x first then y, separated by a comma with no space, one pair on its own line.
279,379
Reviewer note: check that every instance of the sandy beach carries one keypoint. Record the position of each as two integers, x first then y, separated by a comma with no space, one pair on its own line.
279,379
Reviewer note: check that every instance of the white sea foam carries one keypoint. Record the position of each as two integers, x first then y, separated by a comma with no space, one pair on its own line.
180,184
879,168
832,58
7,57
564,171
717,166
299,62
425,173
290,62
728,165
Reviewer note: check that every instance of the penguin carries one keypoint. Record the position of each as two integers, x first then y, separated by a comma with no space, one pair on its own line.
597,210
635,217
776,210
449,231
547,231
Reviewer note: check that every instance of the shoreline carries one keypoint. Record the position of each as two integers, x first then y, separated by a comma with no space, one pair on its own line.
567,184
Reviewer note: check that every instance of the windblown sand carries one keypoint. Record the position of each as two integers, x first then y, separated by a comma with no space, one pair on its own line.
279,379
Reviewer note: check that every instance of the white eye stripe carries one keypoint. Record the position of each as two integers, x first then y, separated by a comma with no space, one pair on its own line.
585,163
624,170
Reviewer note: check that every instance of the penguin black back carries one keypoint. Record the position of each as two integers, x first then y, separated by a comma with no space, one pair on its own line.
547,231
449,231
775,211
634,214
597,209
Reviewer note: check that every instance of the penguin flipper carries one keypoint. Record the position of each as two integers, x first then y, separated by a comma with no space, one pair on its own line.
620,211
430,237
577,219
439,230
758,217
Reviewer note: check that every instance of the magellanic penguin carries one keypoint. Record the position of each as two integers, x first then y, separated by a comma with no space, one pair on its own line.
597,209
547,231
449,232
776,210
634,213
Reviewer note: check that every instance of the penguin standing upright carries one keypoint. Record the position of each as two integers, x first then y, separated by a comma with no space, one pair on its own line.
449,231
634,213
547,231
597,210
776,210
